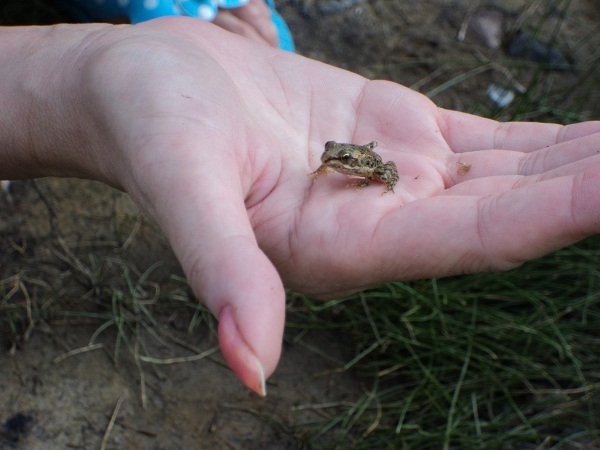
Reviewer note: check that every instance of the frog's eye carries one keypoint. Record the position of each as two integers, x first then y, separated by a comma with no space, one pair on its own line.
345,156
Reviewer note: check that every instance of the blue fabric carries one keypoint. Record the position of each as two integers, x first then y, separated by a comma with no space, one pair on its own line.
286,41
141,10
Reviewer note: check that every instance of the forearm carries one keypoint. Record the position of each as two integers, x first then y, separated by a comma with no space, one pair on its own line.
46,127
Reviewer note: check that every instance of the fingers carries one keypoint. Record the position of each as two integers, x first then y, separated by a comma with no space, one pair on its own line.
258,15
577,149
487,230
566,158
467,133
252,21
526,223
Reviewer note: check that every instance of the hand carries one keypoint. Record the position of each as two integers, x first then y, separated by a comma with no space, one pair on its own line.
215,137
252,20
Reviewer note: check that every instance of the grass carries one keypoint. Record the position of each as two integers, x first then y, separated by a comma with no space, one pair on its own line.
544,91
98,284
507,360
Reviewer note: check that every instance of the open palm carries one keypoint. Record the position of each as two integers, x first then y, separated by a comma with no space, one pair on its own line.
219,139
473,195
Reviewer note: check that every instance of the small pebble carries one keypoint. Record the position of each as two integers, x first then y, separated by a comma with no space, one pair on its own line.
501,97
488,25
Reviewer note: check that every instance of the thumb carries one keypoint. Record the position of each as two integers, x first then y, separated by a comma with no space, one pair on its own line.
251,316
209,230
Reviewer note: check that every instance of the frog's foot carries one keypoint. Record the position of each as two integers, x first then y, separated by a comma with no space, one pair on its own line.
388,188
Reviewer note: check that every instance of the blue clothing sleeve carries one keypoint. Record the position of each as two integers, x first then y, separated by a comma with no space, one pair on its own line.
141,10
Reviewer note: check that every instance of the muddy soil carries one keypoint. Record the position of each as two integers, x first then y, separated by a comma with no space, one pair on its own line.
72,252
67,248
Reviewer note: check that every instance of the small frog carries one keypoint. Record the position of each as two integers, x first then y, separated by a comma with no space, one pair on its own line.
360,161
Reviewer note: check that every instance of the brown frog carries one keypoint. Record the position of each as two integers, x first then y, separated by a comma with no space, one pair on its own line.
359,161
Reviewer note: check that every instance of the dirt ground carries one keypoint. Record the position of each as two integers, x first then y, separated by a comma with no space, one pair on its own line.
64,243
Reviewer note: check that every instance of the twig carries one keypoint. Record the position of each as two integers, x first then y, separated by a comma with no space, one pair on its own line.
137,358
182,359
77,351
111,423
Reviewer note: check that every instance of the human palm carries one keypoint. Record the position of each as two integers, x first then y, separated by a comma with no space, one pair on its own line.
218,150
473,194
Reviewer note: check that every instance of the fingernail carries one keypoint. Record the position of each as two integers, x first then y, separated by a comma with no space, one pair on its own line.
262,391
240,356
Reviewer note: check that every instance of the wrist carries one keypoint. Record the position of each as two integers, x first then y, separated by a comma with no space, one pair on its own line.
46,127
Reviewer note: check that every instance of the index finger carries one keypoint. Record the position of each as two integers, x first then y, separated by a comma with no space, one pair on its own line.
465,133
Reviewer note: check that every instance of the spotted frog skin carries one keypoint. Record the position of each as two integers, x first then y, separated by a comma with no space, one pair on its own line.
358,161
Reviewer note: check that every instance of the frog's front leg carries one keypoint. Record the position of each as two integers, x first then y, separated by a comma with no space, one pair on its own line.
322,169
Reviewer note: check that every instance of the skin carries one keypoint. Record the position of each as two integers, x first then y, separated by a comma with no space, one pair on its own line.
252,21
219,157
